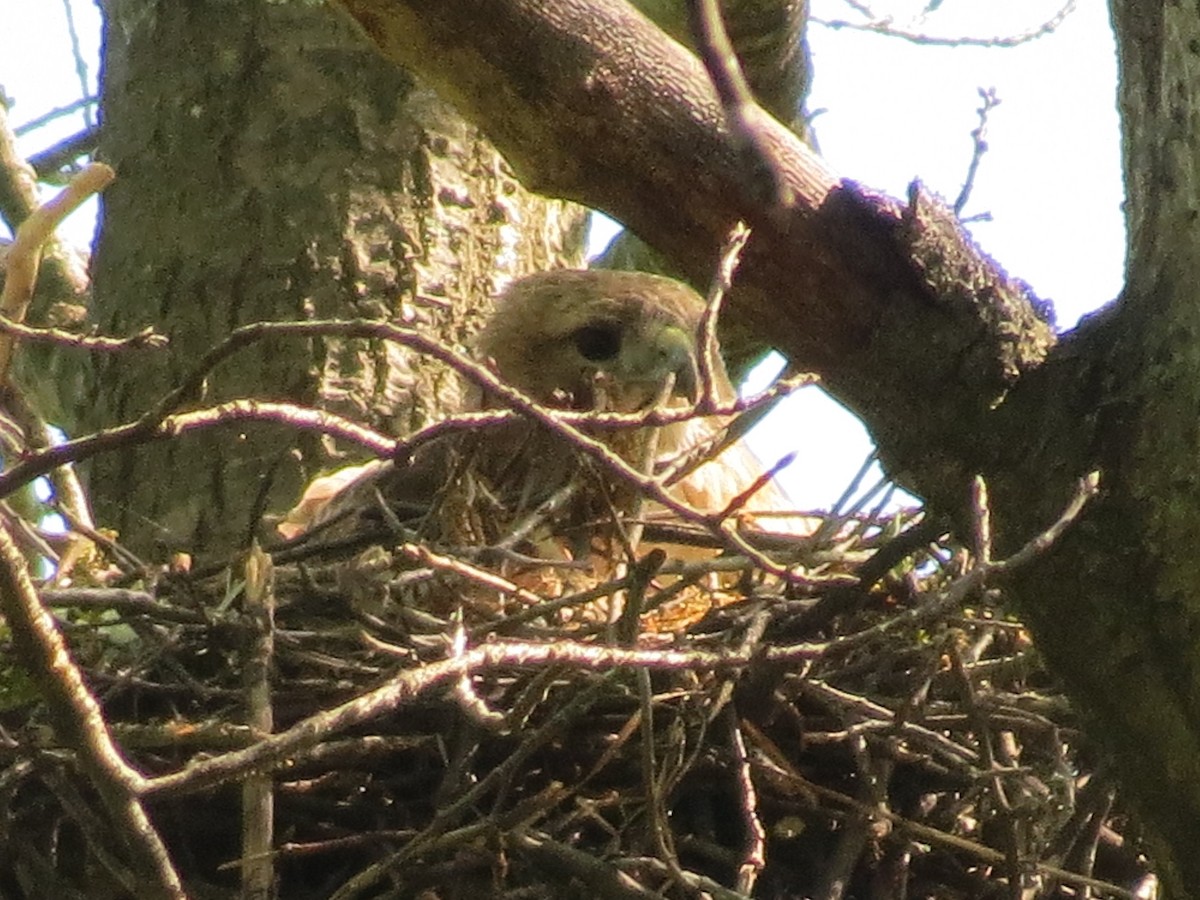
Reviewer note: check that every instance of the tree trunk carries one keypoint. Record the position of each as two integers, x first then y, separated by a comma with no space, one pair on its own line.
272,167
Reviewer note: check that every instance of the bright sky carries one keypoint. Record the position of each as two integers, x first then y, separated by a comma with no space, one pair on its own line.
892,111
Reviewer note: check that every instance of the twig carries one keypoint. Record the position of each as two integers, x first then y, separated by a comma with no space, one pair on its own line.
1087,488
57,113
656,809
745,413
147,338
979,148
18,184
718,289
745,118
25,252
70,499
547,608
699,885
190,387
888,29
122,600
156,424
81,66
96,829
258,796
469,701
624,613
19,200
79,719
122,556
575,866
842,512
870,716
739,502
856,831
535,519
981,521
754,856
49,162
973,579
142,432
447,816
423,556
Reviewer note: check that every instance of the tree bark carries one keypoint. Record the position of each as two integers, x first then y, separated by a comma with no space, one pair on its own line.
951,364
273,167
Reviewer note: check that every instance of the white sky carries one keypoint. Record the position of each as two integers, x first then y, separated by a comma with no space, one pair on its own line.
892,111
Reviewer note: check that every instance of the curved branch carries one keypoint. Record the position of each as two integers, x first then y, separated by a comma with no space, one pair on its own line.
591,101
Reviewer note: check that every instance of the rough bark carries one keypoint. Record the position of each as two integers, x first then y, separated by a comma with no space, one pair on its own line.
948,361
272,167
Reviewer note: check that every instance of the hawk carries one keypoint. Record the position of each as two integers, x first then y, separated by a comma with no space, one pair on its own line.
594,340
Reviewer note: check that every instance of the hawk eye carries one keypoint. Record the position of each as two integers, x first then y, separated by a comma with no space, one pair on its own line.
598,343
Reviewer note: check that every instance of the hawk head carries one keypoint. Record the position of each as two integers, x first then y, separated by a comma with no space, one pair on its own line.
559,336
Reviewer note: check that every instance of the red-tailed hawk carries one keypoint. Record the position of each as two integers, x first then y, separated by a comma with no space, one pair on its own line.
568,340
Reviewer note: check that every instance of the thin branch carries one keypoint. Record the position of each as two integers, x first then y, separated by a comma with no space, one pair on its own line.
423,556
744,497
25,252
122,600
258,795
744,117
81,65
47,163
598,877
557,421
887,28
192,383
136,433
79,719
145,339
70,498
977,576
981,521
754,856
719,287
979,148
18,184
57,113
1087,488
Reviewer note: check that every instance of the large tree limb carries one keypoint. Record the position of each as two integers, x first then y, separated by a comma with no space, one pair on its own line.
589,100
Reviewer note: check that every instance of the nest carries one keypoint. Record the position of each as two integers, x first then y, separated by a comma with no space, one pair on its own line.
872,723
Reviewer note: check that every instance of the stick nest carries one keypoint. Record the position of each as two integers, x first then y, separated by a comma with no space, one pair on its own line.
877,726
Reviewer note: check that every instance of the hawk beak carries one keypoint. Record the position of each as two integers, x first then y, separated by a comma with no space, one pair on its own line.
674,349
